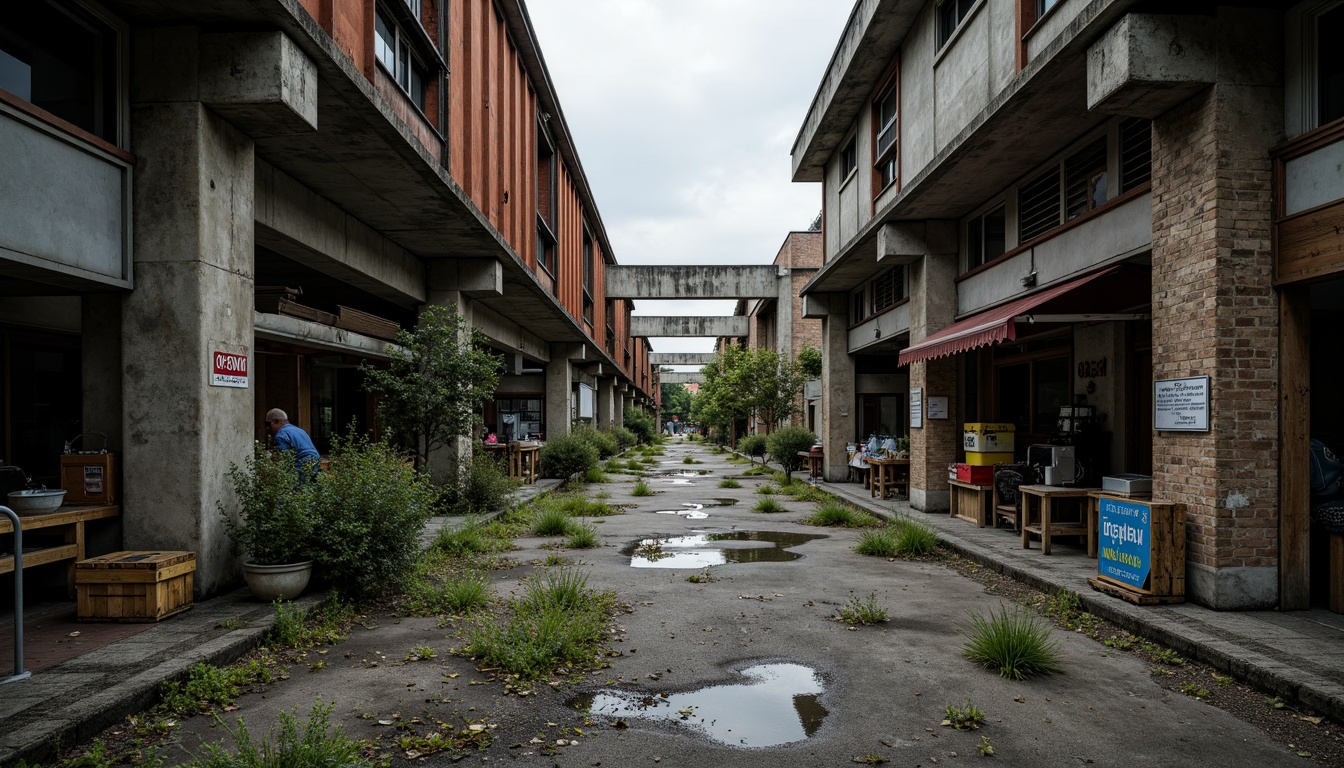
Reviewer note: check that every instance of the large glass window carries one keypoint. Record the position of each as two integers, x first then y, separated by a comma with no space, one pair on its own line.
547,179
1085,179
887,112
393,51
951,13
849,159
63,60
986,237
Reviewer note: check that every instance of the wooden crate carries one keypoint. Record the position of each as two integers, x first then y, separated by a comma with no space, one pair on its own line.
134,586
1163,544
91,478
363,322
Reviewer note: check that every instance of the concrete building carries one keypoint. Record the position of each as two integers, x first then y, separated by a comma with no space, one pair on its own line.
171,168
1028,203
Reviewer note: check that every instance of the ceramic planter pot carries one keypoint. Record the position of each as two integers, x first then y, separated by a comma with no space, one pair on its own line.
271,582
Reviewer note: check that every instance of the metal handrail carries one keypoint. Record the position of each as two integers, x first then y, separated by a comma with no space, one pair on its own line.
19,673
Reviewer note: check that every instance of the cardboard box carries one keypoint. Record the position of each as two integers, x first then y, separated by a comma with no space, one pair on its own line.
989,459
970,473
134,586
980,437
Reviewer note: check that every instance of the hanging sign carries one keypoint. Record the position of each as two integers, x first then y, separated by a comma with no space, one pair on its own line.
916,408
1181,405
1124,533
228,370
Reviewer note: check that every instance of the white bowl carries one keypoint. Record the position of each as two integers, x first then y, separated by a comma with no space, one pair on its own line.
35,502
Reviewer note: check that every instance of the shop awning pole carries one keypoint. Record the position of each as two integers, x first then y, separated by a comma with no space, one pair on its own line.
19,673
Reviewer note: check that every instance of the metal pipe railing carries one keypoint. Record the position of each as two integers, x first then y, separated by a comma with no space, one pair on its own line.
19,673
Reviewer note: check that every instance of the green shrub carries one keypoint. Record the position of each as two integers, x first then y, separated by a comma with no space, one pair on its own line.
785,444
582,537
752,445
371,507
1016,644
567,456
578,507
865,611
275,519
836,514
915,537
641,424
551,521
314,744
602,442
768,505
878,543
641,489
483,486
729,483
625,439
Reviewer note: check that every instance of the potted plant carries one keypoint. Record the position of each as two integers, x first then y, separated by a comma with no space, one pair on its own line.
273,525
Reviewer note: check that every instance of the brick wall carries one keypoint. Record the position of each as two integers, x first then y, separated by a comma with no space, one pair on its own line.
938,442
1215,313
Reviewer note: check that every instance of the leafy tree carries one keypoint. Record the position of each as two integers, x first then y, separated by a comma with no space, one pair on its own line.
784,445
434,384
809,361
676,401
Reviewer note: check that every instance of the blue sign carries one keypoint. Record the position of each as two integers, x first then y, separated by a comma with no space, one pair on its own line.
1124,534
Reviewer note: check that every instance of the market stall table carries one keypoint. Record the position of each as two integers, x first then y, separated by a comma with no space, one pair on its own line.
69,522
1041,504
888,475
524,462
813,464
971,502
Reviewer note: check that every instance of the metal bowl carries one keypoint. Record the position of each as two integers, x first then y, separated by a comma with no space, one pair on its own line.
35,502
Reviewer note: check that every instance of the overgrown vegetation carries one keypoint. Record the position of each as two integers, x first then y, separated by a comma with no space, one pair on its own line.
1016,644
567,456
311,744
968,717
729,483
768,505
915,537
640,424
752,446
878,543
641,489
483,486
863,611
785,444
838,514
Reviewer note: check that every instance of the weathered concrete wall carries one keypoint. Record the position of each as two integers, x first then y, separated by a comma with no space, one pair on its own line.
1147,64
689,377
691,282
644,326
938,442
681,358
193,296
837,414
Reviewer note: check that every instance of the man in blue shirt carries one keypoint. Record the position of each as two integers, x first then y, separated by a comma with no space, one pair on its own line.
293,439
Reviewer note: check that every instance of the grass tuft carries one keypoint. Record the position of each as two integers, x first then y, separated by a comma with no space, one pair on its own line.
768,505
862,611
729,483
838,515
551,521
878,543
767,489
915,537
298,745
1016,644
595,475
583,537
641,489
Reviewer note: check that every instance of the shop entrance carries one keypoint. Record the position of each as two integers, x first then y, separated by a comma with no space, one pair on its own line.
1327,416
42,408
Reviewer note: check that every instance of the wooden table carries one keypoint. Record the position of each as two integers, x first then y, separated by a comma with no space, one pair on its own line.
1039,510
887,475
523,463
1094,512
813,463
970,502
69,522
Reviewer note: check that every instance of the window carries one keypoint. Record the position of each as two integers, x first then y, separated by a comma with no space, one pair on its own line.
1043,7
393,51
1038,205
611,328
1085,179
1329,65
1136,152
588,278
547,176
888,289
64,61
950,15
986,237
888,109
858,306
414,5
849,159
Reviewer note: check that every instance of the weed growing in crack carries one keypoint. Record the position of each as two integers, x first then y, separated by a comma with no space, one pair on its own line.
768,506
836,514
595,475
1016,644
878,543
915,537
729,483
641,489
863,611
704,577
312,743
766,489
582,537
421,653
967,718
459,594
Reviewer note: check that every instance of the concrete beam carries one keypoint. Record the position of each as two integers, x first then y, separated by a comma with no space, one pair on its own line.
692,282
508,335
259,81
714,327
903,242
474,278
1146,64
816,306
682,358
682,378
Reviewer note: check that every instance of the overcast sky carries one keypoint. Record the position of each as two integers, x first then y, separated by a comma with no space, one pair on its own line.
683,113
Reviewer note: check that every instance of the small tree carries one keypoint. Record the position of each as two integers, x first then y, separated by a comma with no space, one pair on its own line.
434,383
784,446
567,456
752,446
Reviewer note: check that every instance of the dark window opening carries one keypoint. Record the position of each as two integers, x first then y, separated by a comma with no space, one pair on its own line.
1136,152
1085,179
986,237
1330,65
1038,205
951,13
62,61
393,51
888,109
849,159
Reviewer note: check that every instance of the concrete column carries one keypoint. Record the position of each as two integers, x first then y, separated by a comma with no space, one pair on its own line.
784,315
100,353
934,445
194,258
837,387
606,401
559,385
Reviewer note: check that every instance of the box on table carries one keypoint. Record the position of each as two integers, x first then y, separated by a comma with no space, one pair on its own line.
971,473
985,437
91,478
988,459
134,586
1127,483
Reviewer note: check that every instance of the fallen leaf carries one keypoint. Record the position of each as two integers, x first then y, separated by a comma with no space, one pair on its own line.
73,634
385,722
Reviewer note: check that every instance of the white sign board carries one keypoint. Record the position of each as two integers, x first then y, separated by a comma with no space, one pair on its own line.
585,401
1181,405
916,408
228,370
937,407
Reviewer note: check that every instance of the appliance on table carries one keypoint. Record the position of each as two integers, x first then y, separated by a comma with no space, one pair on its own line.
1058,463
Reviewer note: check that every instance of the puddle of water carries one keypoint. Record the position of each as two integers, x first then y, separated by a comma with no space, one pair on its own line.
780,704
691,512
702,550
677,481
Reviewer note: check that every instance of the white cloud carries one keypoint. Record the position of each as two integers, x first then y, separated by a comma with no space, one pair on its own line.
683,113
